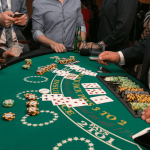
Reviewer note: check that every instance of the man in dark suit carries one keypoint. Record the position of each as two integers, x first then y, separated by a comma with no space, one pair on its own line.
137,54
10,27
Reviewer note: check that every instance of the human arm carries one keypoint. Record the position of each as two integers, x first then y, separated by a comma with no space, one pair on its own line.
125,11
146,115
80,22
7,53
132,55
23,20
5,19
38,27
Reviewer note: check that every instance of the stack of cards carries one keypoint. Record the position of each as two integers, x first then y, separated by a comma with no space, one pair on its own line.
77,68
101,99
95,91
65,74
90,85
58,99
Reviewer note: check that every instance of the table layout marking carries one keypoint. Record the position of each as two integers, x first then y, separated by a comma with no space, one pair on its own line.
42,77
41,124
18,95
90,144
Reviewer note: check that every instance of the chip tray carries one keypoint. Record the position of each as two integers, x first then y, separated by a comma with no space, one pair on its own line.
112,88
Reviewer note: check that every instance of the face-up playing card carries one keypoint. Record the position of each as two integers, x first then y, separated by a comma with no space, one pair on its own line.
90,85
101,99
76,103
49,97
95,91
63,73
88,72
71,76
60,101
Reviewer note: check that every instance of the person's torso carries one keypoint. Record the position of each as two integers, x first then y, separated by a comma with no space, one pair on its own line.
60,21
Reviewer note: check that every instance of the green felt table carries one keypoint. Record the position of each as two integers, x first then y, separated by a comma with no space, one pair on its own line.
93,127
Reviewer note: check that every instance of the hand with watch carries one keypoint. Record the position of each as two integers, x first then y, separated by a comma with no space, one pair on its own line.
83,45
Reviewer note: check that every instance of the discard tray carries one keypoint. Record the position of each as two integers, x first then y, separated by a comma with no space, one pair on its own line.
112,87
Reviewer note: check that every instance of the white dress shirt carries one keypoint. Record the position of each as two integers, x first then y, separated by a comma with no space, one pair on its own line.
122,62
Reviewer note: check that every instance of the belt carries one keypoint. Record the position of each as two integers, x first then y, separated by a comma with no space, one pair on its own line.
20,41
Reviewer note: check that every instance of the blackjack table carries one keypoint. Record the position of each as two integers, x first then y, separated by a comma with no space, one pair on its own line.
94,127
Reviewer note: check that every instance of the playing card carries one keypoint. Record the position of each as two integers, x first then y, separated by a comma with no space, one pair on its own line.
90,85
95,91
49,97
63,73
71,76
76,103
101,99
60,101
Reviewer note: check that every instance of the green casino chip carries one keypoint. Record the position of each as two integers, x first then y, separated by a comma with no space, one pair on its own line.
56,57
72,57
28,60
51,57
26,66
8,103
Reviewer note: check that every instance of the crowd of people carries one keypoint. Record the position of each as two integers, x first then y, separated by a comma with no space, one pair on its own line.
122,26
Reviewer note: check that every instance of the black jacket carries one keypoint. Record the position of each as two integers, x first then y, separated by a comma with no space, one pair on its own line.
137,54
116,20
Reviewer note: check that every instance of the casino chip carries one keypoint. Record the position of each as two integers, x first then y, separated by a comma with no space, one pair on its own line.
8,116
44,91
26,66
30,96
32,104
32,111
28,62
8,103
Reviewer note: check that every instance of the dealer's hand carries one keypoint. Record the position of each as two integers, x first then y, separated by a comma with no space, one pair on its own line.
7,53
59,48
21,21
108,57
6,20
146,115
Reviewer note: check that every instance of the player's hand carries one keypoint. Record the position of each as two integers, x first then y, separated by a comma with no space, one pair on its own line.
89,44
108,57
146,115
7,53
21,21
83,45
59,48
5,18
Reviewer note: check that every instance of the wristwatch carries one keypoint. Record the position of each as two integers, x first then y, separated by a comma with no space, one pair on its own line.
100,42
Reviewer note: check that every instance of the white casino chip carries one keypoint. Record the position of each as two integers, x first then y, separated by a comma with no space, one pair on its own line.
44,91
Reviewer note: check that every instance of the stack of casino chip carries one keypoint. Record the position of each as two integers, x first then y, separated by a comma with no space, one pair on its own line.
28,63
32,103
32,111
30,96
8,103
69,60
138,106
8,116
41,71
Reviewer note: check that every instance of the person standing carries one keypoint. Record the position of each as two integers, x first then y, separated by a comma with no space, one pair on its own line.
10,28
55,22
116,20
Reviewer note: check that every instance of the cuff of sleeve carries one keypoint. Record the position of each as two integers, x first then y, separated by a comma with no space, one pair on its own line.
122,61
36,34
83,28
